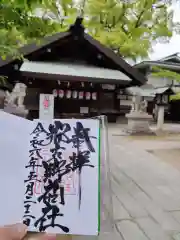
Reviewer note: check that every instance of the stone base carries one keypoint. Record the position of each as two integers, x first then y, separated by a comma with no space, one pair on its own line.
138,123
15,110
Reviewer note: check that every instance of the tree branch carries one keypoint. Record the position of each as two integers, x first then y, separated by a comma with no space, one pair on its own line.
138,23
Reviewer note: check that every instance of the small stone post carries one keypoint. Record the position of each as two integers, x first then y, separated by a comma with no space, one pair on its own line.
160,118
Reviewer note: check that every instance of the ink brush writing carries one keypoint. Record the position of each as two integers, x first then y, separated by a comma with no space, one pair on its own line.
79,171
79,188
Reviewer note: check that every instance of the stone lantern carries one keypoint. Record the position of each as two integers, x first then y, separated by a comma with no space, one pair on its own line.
162,97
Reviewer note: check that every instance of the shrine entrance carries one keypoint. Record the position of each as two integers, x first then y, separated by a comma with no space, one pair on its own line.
84,76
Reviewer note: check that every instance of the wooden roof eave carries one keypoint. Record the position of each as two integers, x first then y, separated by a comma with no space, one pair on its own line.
130,71
137,77
32,47
56,77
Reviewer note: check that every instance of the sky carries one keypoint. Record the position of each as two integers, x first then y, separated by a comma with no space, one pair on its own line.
163,50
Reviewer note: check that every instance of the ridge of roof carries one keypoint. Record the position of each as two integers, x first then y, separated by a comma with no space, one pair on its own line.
77,29
149,63
175,55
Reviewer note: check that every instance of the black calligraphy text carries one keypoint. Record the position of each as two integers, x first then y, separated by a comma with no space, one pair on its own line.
56,137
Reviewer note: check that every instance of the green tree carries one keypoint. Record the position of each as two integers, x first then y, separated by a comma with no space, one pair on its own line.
164,73
130,27
19,25
127,27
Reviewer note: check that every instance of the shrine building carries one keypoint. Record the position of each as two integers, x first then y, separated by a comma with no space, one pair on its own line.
86,78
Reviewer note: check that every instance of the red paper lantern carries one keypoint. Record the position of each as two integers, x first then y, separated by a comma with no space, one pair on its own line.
88,95
81,95
61,93
68,94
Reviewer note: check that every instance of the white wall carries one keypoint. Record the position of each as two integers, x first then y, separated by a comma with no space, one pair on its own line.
158,82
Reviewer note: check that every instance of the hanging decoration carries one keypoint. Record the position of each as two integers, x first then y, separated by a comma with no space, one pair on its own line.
88,95
68,94
61,93
81,95
94,96
74,94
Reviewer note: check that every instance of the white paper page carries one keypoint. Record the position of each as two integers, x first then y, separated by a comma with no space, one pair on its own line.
13,155
79,214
